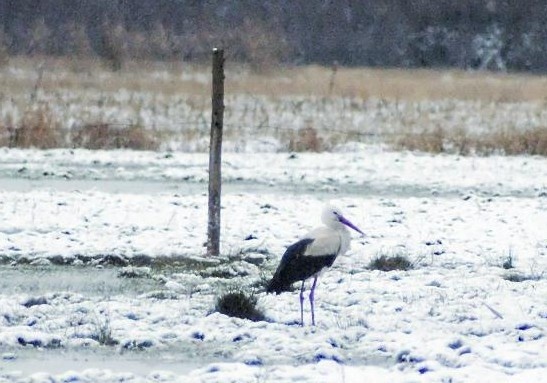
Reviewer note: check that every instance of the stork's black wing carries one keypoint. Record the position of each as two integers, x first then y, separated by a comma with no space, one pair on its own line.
295,266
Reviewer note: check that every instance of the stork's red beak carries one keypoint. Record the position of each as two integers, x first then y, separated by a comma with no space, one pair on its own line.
349,224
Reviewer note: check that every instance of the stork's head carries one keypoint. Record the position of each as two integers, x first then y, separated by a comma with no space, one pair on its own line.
332,217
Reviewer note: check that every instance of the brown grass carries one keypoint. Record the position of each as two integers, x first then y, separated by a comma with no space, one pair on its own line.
433,111
390,84
394,84
105,136
38,129
508,142
305,140
532,142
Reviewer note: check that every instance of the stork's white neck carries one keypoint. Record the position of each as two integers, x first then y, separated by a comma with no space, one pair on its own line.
345,239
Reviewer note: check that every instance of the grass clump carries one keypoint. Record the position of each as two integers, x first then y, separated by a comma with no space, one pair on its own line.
38,129
239,304
103,332
508,262
111,136
305,140
519,277
390,262
431,141
510,142
514,277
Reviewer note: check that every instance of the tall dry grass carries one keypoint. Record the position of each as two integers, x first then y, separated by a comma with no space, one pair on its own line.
364,83
105,136
394,84
504,142
38,129
81,103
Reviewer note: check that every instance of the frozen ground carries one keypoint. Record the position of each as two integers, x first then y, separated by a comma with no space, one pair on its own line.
103,279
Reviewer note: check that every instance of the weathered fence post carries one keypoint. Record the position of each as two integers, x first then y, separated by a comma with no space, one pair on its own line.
332,80
215,150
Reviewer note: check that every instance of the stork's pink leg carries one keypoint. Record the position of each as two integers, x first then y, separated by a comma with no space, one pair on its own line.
312,297
302,304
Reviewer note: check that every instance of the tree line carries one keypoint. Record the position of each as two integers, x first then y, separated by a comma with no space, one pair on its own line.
483,34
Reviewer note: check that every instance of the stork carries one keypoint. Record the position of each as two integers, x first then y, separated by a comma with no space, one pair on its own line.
310,255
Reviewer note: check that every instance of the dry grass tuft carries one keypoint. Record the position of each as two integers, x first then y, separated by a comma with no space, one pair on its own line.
107,136
390,262
432,141
38,129
239,304
532,141
305,140
515,276
508,142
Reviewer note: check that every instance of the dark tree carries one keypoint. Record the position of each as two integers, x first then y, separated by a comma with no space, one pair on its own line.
491,34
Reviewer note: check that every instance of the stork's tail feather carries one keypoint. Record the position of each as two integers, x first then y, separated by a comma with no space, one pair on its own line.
276,286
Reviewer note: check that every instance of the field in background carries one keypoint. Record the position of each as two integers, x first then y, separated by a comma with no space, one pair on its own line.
58,103
101,270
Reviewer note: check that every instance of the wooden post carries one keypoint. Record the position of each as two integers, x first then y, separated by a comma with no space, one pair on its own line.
215,150
334,69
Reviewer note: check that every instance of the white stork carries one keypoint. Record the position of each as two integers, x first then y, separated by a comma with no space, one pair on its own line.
310,255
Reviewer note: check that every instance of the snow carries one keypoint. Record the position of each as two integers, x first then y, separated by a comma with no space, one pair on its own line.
84,235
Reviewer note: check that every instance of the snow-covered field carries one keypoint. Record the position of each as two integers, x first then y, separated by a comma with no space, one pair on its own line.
103,277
